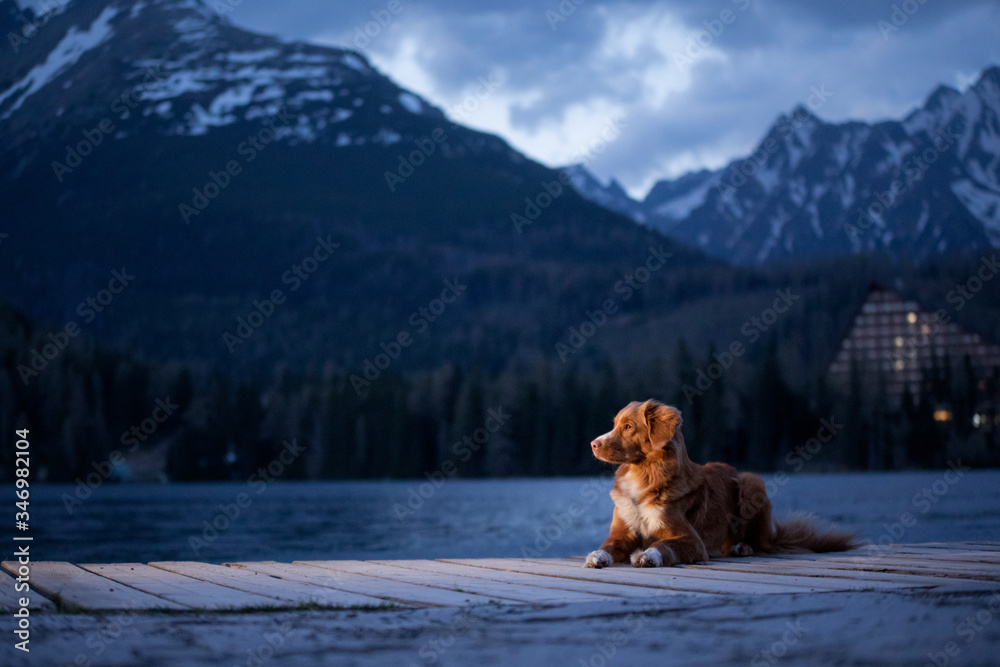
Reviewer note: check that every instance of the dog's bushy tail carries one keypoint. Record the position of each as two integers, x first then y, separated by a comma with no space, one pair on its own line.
799,534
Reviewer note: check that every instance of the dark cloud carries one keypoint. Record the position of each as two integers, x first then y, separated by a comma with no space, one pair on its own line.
565,79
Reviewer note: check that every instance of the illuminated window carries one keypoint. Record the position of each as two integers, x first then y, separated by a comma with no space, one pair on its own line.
942,415
911,317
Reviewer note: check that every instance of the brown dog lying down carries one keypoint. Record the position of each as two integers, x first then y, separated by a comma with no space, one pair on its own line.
669,510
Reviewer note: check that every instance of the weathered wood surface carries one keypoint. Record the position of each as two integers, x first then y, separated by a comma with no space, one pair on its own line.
273,591
77,589
184,590
497,591
10,596
908,604
185,586
392,591
669,579
601,588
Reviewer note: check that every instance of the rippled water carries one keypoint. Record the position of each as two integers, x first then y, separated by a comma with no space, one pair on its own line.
462,518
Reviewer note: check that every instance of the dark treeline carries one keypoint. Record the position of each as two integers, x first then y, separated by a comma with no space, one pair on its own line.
188,422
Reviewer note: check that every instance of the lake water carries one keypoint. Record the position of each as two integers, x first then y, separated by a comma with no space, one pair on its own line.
462,518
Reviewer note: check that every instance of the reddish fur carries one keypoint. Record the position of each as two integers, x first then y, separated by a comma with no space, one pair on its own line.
686,511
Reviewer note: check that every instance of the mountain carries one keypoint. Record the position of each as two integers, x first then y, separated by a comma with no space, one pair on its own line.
927,184
154,139
288,246
610,195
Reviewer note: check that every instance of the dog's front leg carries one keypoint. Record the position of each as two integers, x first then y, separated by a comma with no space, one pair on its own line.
676,544
616,549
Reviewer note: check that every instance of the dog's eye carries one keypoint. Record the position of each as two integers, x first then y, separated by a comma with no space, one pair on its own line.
628,427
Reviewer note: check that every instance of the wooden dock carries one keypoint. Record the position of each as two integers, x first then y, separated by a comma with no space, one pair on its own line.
936,604
966,567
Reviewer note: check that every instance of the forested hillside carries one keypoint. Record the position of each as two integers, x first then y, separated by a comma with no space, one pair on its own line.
531,414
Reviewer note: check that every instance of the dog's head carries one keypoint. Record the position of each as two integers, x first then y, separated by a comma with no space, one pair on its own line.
642,430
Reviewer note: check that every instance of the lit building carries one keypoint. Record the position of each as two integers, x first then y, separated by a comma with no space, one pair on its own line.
894,342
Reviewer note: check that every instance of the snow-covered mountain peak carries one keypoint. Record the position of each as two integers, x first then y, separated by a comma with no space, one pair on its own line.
927,184
179,67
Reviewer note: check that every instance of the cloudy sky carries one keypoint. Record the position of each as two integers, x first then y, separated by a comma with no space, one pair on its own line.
681,85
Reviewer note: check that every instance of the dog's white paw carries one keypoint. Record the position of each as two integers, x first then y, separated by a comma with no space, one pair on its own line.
649,558
741,549
598,559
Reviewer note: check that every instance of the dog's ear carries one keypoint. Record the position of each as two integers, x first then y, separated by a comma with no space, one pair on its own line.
663,421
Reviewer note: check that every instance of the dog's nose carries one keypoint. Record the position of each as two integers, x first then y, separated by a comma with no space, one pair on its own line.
595,444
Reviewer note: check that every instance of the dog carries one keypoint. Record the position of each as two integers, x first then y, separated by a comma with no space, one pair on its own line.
670,510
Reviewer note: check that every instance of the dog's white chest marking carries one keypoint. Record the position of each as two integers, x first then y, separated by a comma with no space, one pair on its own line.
643,518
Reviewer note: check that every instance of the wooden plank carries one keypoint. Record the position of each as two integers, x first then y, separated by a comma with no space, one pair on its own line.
484,587
409,594
596,587
964,556
662,578
864,578
908,567
79,589
548,589
178,588
784,579
906,560
971,546
10,597
991,545
278,592
808,569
